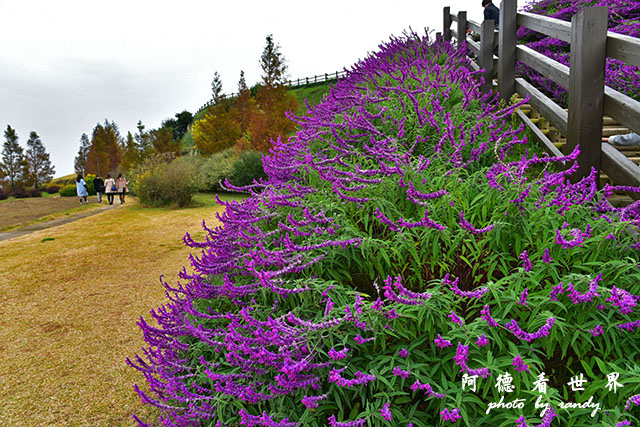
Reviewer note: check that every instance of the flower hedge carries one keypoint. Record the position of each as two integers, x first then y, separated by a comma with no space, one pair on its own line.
407,237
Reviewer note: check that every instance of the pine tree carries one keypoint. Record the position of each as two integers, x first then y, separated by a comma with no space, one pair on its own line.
39,165
105,153
13,163
130,153
143,141
273,64
216,88
81,159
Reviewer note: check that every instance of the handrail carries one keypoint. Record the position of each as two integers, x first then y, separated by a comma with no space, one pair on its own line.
591,44
289,83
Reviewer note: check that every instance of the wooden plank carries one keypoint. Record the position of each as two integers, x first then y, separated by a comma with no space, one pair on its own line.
555,28
546,66
454,18
507,48
623,108
485,58
462,27
446,23
624,48
473,46
548,146
473,26
586,87
545,106
453,34
620,169
475,66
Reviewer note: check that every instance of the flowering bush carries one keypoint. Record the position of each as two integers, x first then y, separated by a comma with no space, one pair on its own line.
624,18
406,238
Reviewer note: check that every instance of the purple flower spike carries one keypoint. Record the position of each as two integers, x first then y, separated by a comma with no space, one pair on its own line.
526,263
482,341
404,353
455,318
452,416
386,411
519,364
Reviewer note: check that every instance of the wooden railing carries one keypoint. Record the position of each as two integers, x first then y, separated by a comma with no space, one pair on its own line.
326,77
589,98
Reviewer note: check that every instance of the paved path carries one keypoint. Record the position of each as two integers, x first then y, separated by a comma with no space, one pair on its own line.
54,223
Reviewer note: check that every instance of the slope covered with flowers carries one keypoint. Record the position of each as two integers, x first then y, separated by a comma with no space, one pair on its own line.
624,18
406,237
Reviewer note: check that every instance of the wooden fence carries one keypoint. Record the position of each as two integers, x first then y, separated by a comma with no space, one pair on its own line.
326,77
589,98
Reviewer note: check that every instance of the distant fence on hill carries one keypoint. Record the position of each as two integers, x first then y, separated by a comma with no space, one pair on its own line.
589,97
326,77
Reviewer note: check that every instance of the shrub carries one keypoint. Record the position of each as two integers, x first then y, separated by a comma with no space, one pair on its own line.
216,168
4,194
158,182
89,181
247,169
407,239
52,189
34,193
19,193
68,190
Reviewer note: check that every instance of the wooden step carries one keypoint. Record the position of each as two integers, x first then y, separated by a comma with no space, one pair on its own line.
614,130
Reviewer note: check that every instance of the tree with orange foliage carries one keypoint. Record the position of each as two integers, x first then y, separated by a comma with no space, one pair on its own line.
105,153
272,99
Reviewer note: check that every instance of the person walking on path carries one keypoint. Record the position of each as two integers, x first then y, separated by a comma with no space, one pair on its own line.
110,188
98,184
81,189
121,185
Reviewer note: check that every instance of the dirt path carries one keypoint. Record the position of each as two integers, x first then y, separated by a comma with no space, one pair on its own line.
53,223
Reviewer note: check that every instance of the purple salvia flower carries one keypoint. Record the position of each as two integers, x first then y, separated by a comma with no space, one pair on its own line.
482,341
386,411
523,297
469,227
455,318
452,416
399,372
404,353
526,263
338,355
355,423
442,343
519,364
635,400
597,331
311,402
623,300
556,290
486,315
546,258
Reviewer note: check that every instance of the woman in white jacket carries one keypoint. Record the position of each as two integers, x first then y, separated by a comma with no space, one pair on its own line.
110,188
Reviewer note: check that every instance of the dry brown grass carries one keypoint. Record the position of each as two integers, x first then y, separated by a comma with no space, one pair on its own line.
18,212
69,308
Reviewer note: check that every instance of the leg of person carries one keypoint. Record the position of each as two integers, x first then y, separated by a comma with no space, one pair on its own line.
110,198
80,198
99,196
627,140
121,196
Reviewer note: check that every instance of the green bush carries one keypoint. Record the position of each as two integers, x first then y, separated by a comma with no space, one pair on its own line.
158,182
247,169
89,181
68,190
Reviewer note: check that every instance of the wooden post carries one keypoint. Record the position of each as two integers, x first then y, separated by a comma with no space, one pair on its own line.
507,48
485,59
586,87
446,21
462,27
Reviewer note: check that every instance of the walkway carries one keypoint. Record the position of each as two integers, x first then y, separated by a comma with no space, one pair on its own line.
54,223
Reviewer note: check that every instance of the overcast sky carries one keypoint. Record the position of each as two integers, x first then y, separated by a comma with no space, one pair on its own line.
66,65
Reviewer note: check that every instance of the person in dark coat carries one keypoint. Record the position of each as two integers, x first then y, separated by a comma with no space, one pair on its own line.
98,184
491,12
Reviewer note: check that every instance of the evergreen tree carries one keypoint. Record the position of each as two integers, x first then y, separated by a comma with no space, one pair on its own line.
81,159
143,141
39,165
13,163
183,121
130,153
105,153
273,64
216,88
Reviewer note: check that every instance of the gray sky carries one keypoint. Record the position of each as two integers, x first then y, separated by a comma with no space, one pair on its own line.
66,65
